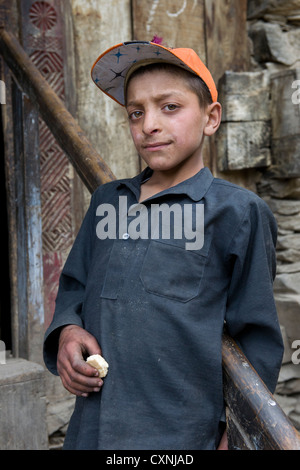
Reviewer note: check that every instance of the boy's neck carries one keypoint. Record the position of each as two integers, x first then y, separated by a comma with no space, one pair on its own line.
162,180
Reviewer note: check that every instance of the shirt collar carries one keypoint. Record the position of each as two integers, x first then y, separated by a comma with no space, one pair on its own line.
195,187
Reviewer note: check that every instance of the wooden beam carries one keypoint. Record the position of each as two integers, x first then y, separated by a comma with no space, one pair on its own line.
227,48
226,37
30,311
89,165
180,23
260,420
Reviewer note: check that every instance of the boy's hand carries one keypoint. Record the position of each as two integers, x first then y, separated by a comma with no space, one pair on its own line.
76,375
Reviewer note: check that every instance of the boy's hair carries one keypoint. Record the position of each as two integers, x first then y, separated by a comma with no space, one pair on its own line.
193,82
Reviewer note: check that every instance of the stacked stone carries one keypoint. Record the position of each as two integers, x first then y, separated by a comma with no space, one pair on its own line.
283,197
261,131
274,28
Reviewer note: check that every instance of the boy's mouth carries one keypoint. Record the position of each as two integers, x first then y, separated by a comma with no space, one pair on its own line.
152,147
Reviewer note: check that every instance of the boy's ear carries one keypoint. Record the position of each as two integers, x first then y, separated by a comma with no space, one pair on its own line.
214,115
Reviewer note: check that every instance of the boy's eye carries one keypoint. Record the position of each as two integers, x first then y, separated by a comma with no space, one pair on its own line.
135,115
171,107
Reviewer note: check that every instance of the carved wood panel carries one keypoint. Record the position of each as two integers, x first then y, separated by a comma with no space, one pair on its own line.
43,40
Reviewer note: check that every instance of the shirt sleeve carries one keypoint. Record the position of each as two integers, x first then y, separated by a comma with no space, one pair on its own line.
71,290
251,316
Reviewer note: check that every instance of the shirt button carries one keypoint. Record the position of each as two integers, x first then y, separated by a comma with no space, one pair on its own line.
125,236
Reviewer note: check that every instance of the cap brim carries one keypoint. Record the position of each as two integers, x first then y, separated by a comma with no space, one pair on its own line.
110,70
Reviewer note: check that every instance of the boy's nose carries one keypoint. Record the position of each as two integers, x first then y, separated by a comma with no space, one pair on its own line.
151,123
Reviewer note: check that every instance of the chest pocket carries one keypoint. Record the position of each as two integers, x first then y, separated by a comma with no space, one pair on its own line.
172,271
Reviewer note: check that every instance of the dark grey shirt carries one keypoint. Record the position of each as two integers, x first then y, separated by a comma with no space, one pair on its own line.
158,310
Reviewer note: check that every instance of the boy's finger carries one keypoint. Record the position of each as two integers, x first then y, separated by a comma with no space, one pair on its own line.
80,366
79,383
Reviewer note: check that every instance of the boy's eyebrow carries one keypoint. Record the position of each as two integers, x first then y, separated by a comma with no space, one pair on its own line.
162,96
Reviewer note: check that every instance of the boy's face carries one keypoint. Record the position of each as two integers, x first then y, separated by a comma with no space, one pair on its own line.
166,121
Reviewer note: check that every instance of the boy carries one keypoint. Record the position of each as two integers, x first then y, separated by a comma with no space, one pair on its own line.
162,260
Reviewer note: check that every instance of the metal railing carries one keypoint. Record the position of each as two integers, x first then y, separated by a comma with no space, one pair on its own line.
255,420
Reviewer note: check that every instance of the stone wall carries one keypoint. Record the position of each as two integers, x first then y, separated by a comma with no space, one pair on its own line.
274,32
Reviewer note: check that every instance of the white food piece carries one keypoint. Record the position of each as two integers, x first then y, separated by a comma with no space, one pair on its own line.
99,363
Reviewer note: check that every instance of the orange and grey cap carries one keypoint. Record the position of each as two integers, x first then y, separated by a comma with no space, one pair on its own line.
113,68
